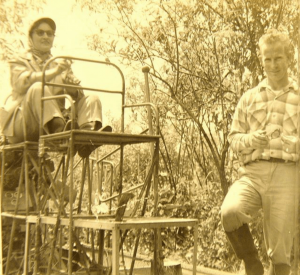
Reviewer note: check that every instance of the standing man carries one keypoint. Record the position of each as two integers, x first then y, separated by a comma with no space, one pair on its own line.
264,136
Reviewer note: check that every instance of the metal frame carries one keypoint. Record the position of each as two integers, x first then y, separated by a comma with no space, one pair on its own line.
64,144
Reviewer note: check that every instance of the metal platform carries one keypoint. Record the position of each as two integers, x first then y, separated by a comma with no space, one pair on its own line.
54,239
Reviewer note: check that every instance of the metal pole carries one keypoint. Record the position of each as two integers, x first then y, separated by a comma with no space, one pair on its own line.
158,264
146,70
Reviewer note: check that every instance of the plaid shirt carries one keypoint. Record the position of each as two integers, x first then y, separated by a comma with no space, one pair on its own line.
257,108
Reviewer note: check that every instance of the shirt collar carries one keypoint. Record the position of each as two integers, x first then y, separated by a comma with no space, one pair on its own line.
263,85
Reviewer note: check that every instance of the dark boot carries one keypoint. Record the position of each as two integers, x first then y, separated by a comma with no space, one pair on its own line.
243,246
56,125
91,126
279,269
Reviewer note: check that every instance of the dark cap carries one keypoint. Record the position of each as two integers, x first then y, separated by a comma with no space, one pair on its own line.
37,22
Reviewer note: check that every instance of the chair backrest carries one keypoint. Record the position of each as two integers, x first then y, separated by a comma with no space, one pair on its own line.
120,91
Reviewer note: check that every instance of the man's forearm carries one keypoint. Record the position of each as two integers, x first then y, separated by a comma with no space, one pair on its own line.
239,142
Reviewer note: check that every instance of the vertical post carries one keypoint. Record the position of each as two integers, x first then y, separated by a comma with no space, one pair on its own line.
26,251
146,71
101,178
38,218
296,240
1,197
89,174
120,187
158,262
115,250
158,252
70,165
27,198
101,250
195,249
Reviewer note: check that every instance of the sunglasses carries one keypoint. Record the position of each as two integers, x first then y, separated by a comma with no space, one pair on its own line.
42,32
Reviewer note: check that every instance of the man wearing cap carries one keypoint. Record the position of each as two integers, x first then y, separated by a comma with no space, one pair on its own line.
22,108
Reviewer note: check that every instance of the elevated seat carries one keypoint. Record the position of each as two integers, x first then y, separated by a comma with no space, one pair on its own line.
63,235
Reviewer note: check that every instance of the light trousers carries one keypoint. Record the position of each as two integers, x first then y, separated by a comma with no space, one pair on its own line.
270,186
28,116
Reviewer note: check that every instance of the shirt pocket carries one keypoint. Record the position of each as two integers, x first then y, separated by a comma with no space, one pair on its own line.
257,115
290,119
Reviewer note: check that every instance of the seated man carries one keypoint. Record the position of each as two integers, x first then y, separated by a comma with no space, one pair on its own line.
26,76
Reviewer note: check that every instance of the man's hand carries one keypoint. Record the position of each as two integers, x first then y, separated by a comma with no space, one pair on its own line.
62,65
289,143
258,139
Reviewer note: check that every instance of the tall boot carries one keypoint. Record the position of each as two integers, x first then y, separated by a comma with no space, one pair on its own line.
243,245
279,269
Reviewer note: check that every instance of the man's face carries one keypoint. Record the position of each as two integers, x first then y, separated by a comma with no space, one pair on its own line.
42,37
275,62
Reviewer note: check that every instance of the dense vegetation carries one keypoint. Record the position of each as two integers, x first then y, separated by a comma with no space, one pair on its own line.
202,57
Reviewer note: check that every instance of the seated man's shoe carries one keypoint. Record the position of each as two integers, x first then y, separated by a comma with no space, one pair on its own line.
85,150
91,126
68,126
56,125
106,128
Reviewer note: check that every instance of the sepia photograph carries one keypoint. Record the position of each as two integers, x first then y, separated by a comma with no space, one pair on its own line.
149,137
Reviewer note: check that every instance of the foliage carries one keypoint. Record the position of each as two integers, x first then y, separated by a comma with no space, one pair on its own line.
202,57
184,89
12,13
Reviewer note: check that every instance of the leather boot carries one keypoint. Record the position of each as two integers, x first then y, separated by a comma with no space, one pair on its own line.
279,269
56,125
243,245
91,126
